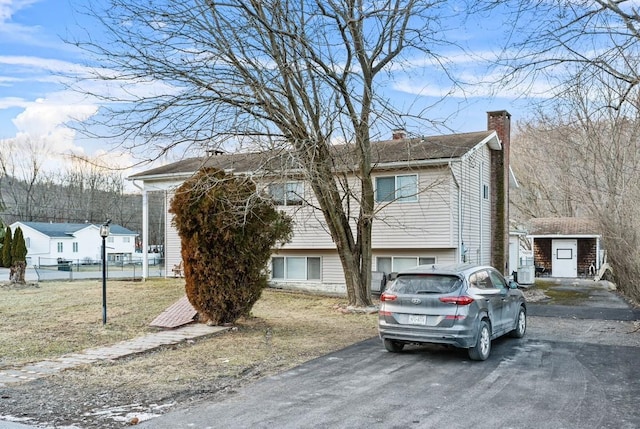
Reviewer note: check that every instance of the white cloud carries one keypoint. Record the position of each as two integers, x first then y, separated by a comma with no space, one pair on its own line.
41,117
10,30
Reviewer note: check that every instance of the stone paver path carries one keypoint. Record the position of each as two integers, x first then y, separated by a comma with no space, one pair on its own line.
125,348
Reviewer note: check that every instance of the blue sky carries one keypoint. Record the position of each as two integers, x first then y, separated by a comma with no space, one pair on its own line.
35,105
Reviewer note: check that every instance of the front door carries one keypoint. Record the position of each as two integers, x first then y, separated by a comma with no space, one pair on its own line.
564,258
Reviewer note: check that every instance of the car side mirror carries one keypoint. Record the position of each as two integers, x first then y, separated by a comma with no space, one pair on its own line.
513,285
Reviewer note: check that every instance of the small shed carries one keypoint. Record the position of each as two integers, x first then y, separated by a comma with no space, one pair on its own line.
565,246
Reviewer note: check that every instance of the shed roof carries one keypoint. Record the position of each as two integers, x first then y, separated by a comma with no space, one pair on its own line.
444,147
562,226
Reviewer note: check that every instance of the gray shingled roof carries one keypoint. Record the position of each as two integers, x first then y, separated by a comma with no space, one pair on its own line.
444,148
68,229
567,226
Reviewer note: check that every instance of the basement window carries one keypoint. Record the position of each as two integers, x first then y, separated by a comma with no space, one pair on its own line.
295,268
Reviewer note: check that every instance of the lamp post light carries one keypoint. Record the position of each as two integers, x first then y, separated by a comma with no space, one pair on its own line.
104,232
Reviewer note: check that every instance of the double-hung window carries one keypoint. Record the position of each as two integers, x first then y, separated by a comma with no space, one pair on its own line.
60,247
397,188
287,194
295,268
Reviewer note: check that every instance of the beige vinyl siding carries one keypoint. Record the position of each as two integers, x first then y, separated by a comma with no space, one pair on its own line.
425,223
310,231
331,274
474,173
172,246
428,222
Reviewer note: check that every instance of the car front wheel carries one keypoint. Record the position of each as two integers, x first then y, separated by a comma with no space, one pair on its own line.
393,346
482,348
521,324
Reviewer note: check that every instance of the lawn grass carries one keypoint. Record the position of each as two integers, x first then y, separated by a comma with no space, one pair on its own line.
55,318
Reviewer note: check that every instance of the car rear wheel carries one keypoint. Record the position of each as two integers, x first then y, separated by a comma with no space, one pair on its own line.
482,348
521,324
393,346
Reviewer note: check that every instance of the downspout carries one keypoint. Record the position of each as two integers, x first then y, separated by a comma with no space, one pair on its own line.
460,246
481,199
145,231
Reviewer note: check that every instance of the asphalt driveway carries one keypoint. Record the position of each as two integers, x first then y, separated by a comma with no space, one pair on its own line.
575,368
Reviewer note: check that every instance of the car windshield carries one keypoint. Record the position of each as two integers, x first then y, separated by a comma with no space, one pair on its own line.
425,283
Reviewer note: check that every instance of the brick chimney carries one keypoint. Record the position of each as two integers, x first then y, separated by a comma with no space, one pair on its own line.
399,134
500,122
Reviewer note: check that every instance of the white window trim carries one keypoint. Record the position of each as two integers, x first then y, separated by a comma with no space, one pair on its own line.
306,269
286,201
396,199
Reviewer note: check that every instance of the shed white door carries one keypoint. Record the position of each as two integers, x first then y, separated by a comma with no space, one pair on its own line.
565,258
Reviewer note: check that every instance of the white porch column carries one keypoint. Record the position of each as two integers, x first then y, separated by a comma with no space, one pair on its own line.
145,234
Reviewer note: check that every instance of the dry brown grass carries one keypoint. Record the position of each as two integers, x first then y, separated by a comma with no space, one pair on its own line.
284,330
59,318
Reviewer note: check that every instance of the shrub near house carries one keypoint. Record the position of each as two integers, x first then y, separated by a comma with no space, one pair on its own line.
227,233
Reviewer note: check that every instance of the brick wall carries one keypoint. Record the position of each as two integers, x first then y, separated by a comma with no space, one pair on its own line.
500,121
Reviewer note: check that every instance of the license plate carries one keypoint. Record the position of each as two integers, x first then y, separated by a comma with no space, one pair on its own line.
415,319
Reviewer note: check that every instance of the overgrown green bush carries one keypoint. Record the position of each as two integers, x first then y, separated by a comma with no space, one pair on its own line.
227,231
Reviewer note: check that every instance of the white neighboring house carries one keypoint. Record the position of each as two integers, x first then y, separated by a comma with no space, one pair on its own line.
49,243
439,199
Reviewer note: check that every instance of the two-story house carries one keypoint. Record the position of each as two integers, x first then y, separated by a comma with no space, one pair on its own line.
47,243
439,199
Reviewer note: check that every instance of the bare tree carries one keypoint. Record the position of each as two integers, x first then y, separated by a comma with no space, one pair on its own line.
93,192
82,192
542,163
559,40
594,154
295,76
590,53
25,181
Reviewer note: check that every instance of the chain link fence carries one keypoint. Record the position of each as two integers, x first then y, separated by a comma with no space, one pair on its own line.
47,269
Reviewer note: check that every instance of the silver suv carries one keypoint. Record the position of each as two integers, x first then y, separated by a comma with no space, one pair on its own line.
465,306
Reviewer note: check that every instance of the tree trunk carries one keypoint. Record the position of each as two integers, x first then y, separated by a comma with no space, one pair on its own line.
17,272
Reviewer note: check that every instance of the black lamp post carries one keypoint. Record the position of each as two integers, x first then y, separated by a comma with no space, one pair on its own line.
104,232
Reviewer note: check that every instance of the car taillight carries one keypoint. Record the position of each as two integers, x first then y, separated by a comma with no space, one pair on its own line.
388,297
457,300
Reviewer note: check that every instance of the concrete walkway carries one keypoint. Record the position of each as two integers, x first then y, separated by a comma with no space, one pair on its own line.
125,348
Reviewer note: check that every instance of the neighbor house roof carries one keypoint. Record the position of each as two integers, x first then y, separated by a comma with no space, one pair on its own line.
562,226
69,229
444,148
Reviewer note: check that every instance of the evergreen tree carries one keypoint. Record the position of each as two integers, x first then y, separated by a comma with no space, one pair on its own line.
6,249
2,229
18,257
18,247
